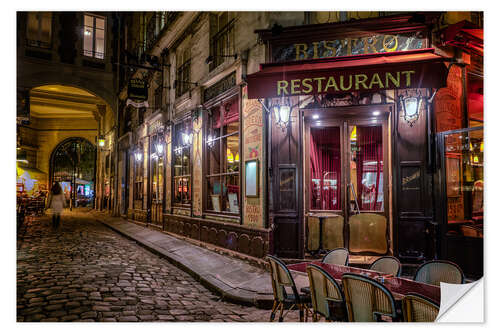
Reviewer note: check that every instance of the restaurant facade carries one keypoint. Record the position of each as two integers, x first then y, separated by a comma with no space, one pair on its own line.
364,134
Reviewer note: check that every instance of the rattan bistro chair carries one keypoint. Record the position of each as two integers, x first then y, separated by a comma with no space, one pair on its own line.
327,297
436,271
387,264
366,299
281,278
418,308
338,256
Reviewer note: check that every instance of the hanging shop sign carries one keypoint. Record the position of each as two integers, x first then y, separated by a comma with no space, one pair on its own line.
378,43
223,85
397,70
137,90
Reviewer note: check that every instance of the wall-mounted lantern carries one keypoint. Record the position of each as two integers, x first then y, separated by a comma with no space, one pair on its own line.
138,154
187,138
210,141
411,107
101,141
282,112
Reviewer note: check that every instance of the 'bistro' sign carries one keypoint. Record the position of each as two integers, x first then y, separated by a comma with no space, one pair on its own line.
347,47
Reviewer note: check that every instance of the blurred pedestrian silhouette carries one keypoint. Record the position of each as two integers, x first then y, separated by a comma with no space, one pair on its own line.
57,203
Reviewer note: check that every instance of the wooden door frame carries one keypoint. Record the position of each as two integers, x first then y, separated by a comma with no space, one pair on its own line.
343,117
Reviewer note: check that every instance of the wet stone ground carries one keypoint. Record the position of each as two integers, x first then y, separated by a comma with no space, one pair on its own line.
86,272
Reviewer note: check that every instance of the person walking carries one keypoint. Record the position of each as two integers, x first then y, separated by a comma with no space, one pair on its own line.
57,203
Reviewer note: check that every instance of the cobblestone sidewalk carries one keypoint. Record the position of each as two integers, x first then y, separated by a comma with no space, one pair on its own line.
86,272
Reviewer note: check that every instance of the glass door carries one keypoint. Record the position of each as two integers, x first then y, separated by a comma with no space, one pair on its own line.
346,185
366,189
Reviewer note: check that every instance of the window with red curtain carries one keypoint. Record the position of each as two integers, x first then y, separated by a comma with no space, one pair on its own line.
325,166
369,168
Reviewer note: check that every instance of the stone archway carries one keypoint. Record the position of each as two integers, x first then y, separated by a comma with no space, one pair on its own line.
73,165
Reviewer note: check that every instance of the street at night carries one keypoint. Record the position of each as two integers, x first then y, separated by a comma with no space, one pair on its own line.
87,272
248,165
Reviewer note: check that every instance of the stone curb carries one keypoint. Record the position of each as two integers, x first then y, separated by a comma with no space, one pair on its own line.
227,293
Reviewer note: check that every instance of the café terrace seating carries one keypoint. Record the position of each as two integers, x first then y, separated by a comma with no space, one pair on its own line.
418,308
387,264
367,300
281,278
436,271
338,256
326,295
338,292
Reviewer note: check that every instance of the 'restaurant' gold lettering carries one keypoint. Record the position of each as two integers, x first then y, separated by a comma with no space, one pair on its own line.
300,49
371,45
376,80
334,82
308,85
358,81
395,82
319,79
331,83
282,85
342,83
408,77
295,86
388,39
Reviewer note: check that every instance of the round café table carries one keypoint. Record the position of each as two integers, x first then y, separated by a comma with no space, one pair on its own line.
321,217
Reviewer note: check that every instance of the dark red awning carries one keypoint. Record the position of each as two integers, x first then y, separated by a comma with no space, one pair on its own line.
409,69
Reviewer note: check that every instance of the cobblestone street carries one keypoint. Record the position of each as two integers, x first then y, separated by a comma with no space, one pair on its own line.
87,272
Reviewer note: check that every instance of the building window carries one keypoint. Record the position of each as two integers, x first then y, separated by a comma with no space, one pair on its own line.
183,76
139,182
182,162
223,158
93,36
39,29
221,38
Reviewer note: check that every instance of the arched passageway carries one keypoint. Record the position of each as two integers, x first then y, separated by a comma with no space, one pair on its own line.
72,164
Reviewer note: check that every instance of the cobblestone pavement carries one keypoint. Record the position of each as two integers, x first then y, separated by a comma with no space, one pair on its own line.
86,272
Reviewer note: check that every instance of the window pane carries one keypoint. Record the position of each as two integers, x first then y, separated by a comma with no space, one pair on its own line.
99,22
88,37
213,158
160,179
465,182
214,194
232,153
177,164
325,167
287,189
231,190
88,21
367,166
99,44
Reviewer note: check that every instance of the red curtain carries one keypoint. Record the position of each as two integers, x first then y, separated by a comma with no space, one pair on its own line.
369,160
325,168
231,113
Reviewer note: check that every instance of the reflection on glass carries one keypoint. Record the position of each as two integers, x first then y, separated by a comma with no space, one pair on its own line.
464,182
325,166
367,166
